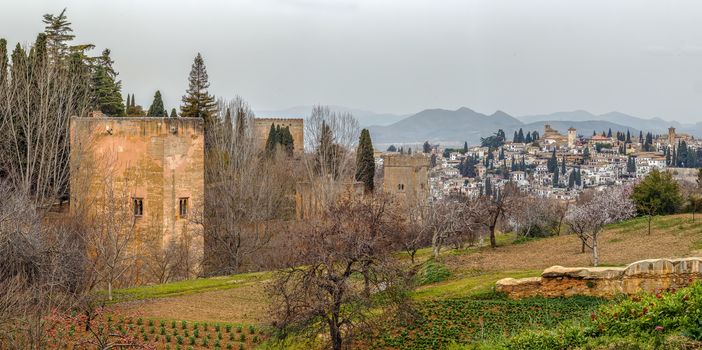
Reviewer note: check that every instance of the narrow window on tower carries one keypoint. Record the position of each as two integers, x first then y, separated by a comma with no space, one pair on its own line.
138,204
183,207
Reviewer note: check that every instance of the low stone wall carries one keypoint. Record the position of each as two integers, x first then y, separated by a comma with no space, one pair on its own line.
645,275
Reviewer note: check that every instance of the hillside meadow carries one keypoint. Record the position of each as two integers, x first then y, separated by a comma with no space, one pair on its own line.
454,303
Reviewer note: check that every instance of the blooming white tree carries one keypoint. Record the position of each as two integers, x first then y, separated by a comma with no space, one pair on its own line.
586,220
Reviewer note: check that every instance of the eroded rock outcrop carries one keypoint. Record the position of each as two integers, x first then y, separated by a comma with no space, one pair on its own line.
645,275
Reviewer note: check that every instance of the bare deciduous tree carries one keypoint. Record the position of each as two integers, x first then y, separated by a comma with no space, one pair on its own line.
417,230
36,102
587,219
318,292
43,268
247,192
112,235
493,207
536,216
329,164
444,222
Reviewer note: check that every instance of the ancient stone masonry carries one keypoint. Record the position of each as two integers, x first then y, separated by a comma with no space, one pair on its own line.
296,126
645,275
151,169
406,176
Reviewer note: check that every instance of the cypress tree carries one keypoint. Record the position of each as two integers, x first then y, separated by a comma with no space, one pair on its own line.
571,179
527,139
578,179
365,162
586,154
173,113
555,178
563,166
552,163
520,136
197,102
286,140
465,147
488,187
426,148
240,123
609,133
272,140
3,65
691,158
156,109
515,138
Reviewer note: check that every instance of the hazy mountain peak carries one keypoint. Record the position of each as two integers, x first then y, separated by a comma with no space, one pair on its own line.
465,109
499,113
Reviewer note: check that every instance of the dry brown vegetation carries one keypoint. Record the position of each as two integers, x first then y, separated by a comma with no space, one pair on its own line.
246,304
673,236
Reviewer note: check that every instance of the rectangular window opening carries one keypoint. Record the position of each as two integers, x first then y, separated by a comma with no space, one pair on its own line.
183,207
138,204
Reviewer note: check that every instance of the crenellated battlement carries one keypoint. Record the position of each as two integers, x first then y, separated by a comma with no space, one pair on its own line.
405,160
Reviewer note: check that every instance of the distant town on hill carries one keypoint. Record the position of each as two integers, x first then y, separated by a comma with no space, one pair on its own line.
454,127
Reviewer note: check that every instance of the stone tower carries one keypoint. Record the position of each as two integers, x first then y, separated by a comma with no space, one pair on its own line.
571,137
145,171
296,126
671,136
406,176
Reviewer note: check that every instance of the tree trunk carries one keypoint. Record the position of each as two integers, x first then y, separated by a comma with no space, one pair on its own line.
493,225
650,217
435,245
109,290
582,249
334,333
595,253
493,240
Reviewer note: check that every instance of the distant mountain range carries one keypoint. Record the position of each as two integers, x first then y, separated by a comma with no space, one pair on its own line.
454,127
449,127
365,118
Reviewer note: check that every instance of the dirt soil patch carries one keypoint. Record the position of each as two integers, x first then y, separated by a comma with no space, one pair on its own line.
246,304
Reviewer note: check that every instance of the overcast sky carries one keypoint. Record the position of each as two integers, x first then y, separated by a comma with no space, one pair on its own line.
524,57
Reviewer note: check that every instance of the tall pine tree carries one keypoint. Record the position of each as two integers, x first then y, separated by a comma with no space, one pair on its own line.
107,96
197,102
365,162
59,33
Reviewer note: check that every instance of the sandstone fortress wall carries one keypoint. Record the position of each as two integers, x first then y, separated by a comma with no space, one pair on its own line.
645,275
262,127
406,176
159,160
